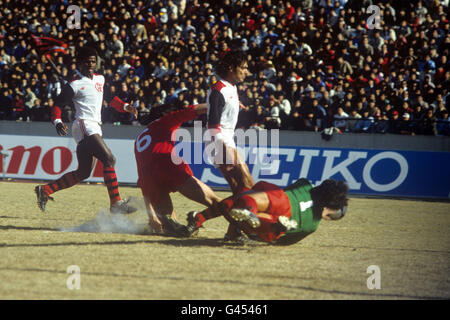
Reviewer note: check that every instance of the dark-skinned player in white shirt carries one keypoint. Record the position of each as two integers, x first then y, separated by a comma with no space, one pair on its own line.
85,91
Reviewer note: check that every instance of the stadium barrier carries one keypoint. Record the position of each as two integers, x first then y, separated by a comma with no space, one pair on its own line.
372,164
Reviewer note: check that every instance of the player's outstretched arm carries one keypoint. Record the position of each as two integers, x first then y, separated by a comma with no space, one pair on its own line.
154,222
200,108
63,99
123,107
130,109
243,107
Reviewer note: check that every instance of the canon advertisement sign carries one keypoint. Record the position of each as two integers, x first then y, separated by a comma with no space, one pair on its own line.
47,158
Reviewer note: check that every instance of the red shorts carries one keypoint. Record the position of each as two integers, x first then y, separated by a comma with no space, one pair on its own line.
279,205
160,176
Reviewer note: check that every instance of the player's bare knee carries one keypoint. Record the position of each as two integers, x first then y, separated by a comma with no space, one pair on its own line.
109,161
83,173
227,168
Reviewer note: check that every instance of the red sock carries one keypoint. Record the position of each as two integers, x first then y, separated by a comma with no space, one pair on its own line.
211,213
66,181
200,218
247,202
226,205
110,178
265,230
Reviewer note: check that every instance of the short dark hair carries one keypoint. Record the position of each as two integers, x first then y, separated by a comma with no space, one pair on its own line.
331,194
231,59
85,52
159,111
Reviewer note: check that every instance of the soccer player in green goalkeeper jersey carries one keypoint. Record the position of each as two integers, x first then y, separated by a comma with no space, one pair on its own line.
282,216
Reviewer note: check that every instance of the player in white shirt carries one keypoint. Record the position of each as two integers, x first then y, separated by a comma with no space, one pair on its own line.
86,94
222,113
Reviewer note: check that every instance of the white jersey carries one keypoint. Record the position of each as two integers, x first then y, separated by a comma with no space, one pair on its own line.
88,97
223,108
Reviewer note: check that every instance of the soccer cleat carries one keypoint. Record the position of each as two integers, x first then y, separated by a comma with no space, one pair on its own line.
287,223
245,215
233,233
42,197
173,228
123,207
235,236
191,227
239,239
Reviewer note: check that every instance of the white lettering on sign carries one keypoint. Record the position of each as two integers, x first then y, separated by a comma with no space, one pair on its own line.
367,177
329,170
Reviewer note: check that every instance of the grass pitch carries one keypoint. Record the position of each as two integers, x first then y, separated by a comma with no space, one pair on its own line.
408,240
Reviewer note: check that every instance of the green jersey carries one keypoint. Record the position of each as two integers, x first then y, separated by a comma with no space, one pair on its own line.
302,212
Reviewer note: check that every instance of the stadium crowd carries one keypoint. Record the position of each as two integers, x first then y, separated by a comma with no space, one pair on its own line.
313,63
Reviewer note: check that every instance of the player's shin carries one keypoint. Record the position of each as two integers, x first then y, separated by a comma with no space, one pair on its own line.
66,181
110,178
213,212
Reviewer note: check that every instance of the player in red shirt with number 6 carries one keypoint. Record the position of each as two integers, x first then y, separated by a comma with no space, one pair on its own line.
161,171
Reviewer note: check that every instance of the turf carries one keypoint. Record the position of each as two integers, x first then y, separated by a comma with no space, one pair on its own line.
408,240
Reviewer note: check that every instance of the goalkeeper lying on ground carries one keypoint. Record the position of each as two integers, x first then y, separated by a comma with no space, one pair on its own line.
282,216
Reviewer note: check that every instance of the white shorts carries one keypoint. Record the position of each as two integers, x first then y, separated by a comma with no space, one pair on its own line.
83,128
214,152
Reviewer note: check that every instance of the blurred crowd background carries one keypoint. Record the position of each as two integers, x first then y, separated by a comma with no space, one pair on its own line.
313,63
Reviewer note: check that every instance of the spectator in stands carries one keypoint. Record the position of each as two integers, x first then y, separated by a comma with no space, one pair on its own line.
422,102
123,68
160,71
19,110
38,111
5,106
269,71
310,123
427,125
320,115
365,123
115,45
395,123
406,109
418,113
381,124
340,121
443,124
353,120
259,117
407,127
343,67
273,121
285,110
